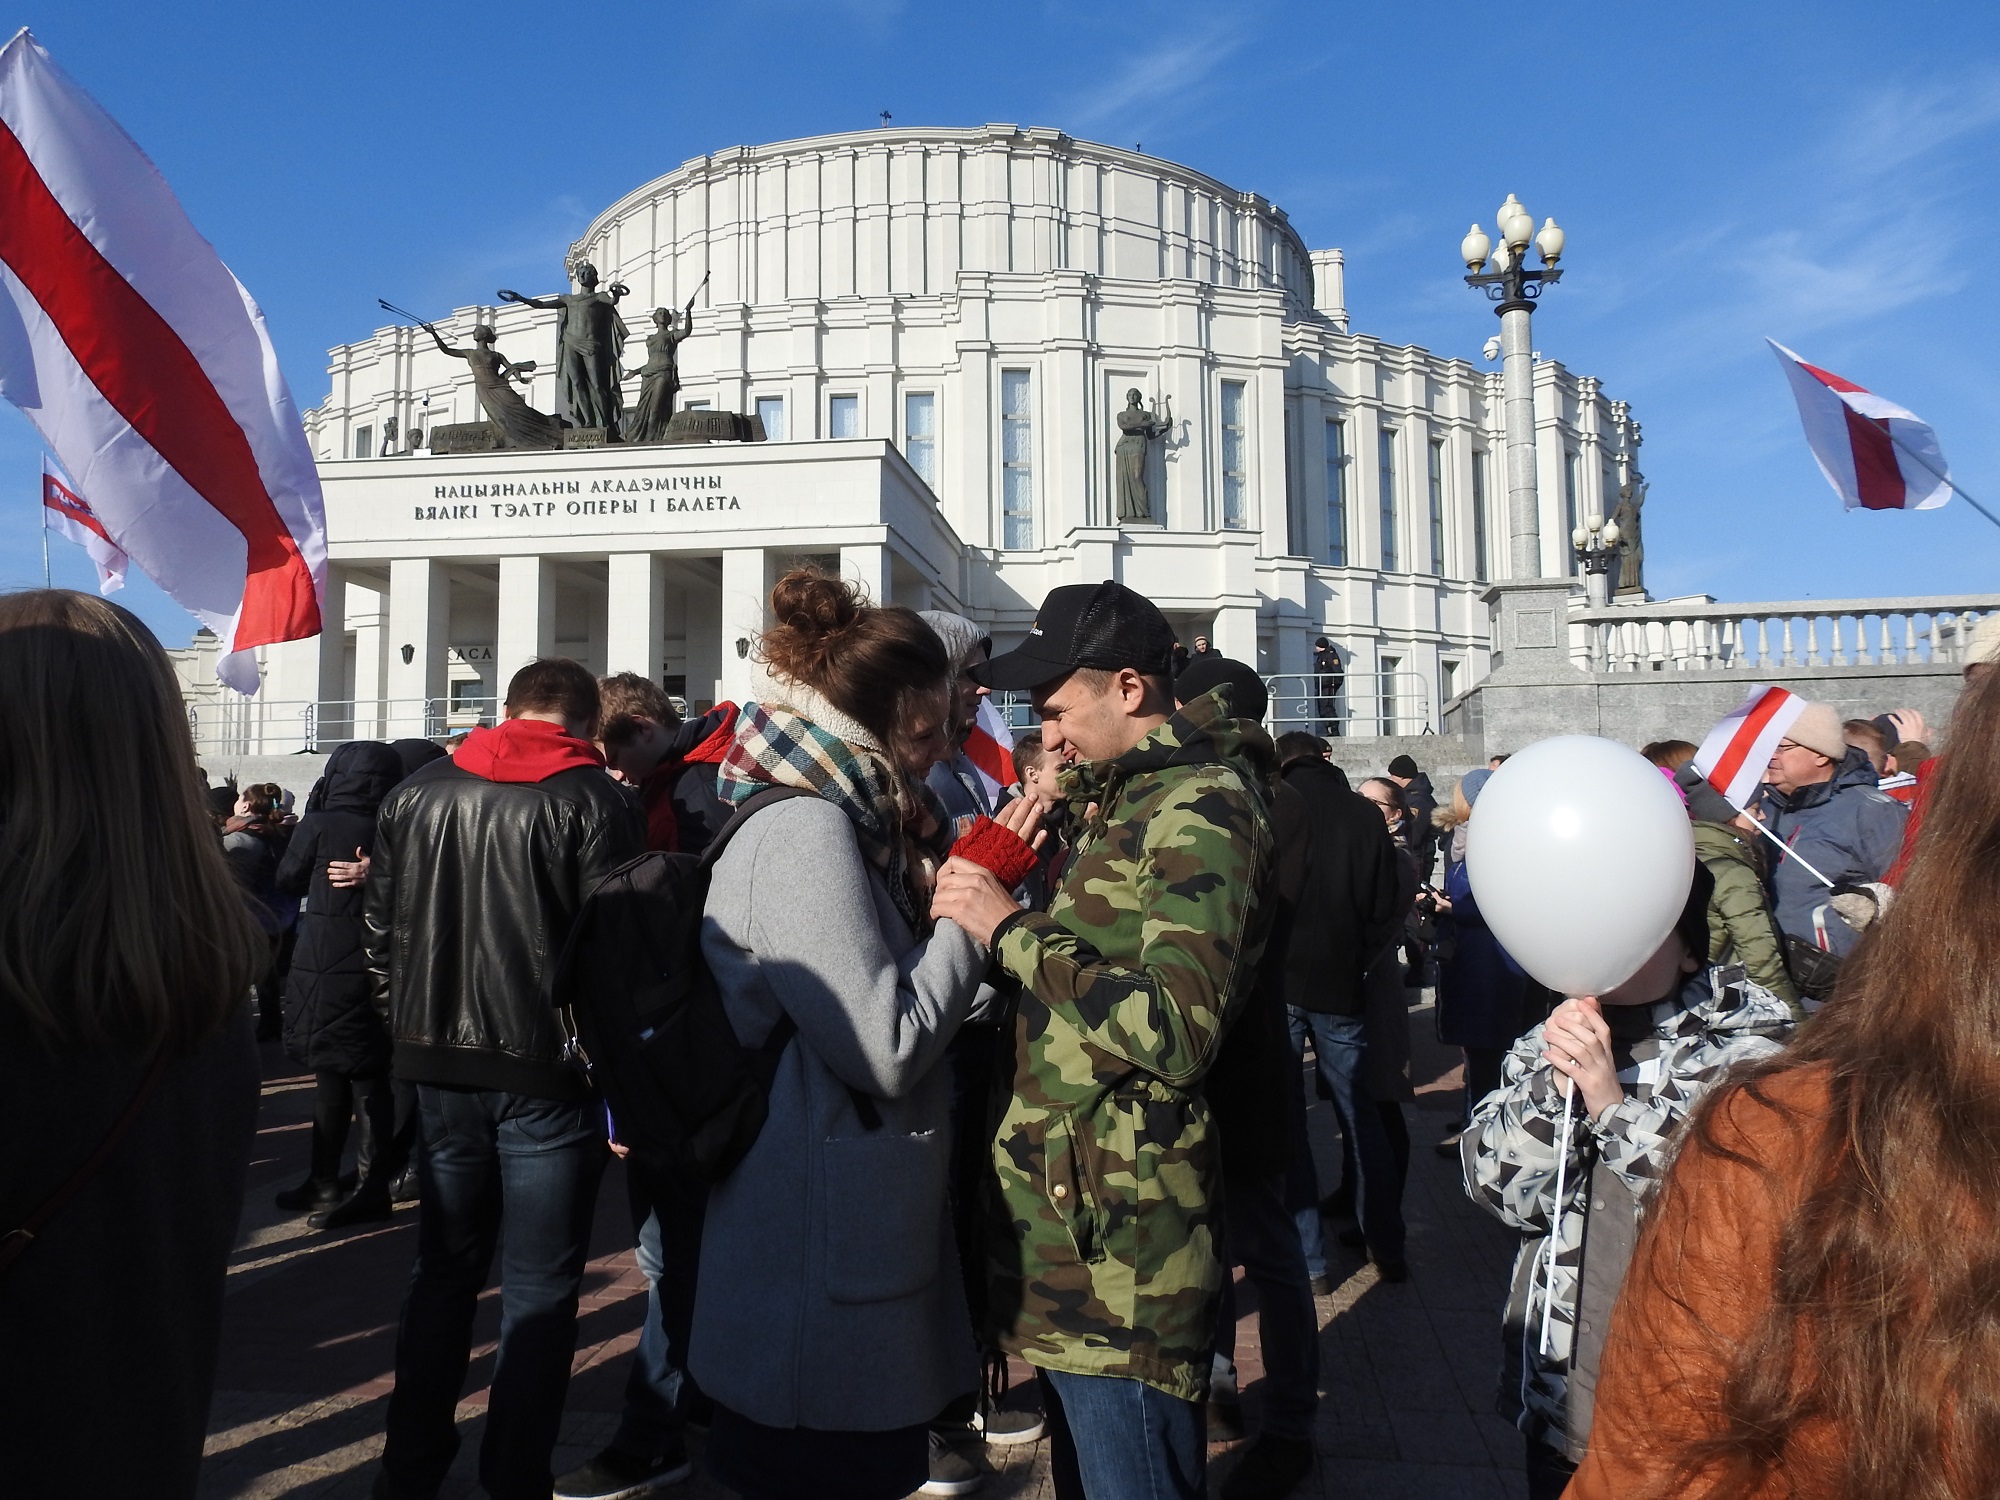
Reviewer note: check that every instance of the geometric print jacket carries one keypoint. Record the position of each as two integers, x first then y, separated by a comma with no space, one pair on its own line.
1668,1055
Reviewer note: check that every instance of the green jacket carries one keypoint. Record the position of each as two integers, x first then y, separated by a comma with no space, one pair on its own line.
1740,926
1103,1256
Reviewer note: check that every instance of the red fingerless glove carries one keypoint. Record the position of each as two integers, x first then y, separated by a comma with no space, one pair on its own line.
992,847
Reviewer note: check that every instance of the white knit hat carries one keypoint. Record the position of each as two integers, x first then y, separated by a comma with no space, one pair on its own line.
1820,728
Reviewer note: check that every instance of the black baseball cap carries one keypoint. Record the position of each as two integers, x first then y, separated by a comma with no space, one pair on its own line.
1248,697
1101,625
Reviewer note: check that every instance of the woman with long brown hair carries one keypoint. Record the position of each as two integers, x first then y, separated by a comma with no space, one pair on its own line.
128,1077
1814,1308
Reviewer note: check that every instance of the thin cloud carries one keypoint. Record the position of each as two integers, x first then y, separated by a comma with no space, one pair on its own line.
1170,74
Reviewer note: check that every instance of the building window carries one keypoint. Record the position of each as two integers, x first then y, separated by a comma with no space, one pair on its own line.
1294,522
1385,453
1569,507
1235,457
1392,667
1437,506
843,416
1336,493
1017,459
1479,565
920,435
364,442
1447,681
771,412
694,406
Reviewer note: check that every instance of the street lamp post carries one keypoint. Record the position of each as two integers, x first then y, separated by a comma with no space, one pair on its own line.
1598,547
1516,288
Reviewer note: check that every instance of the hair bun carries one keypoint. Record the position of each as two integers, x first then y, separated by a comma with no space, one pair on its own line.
813,605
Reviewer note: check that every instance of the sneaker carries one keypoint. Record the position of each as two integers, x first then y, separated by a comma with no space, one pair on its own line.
613,1475
1006,1425
952,1472
1272,1468
1322,1286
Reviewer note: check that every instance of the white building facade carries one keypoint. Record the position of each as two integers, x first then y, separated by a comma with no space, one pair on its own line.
938,327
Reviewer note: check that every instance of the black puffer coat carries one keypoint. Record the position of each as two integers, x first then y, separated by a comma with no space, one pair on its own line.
331,1024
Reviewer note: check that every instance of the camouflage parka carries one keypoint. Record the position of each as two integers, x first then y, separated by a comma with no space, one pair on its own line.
1103,1252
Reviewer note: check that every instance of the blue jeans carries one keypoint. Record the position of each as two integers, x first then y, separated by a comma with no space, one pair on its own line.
667,1210
521,1172
1118,1439
1340,1045
1260,1235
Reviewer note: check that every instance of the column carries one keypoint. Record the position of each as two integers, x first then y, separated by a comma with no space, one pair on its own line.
526,623
1524,522
746,593
635,607
867,566
330,685
365,607
419,610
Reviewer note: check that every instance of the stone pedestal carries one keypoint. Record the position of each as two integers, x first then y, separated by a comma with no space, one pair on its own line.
466,437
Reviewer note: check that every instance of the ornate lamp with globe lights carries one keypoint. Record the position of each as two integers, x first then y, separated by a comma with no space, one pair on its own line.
1598,546
1516,288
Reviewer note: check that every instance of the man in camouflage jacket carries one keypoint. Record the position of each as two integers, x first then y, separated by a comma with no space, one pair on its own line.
1104,1249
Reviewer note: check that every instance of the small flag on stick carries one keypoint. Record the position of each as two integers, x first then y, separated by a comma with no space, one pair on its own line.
1739,748
990,748
69,515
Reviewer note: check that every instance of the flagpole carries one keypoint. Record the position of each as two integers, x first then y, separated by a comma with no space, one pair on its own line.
1906,448
45,535
1790,852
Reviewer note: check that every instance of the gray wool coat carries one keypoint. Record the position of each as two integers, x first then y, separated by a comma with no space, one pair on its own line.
829,1293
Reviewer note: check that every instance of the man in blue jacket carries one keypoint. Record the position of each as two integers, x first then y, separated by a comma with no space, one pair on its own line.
1821,800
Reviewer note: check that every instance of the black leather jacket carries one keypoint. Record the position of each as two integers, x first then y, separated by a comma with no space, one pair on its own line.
471,895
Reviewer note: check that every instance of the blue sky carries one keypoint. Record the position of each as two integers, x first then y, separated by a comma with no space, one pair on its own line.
1822,174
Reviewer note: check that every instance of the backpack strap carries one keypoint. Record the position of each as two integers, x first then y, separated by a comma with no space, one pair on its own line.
15,1242
786,1028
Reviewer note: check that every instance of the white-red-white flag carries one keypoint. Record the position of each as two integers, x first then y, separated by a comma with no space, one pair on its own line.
1875,454
69,516
1738,750
149,370
990,748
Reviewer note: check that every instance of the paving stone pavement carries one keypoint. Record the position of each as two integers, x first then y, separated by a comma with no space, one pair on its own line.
308,1342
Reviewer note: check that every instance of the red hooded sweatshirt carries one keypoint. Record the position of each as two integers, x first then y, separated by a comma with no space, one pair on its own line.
657,790
520,750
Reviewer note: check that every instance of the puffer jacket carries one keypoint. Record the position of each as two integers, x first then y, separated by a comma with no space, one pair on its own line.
1103,1256
1844,828
1668,1054
331,1024
1740,926
476,878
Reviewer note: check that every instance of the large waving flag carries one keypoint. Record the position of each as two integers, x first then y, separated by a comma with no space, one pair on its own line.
149,371
1875,454
1738,750
69,516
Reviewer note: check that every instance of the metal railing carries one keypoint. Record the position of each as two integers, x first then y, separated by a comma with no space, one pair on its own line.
257,726
1857,634
1365,705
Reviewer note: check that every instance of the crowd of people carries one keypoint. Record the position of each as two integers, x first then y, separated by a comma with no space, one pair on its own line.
1030,1054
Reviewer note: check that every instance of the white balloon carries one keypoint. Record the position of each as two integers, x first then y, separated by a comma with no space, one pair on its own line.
1580,857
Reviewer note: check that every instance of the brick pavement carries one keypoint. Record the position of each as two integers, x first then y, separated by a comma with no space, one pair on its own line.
308,1340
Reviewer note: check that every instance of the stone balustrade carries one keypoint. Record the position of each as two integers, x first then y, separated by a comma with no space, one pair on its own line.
1774,638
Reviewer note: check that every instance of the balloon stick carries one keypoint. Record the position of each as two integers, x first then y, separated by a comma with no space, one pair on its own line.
1791,853
1555,1219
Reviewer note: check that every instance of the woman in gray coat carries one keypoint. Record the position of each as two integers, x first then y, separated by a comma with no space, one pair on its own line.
830,1324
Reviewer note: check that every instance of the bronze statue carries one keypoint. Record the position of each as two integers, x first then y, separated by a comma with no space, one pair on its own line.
1631,537
493,375
1137,429
660,376
589,338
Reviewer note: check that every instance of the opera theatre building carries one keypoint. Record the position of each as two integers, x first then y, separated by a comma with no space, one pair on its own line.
931,336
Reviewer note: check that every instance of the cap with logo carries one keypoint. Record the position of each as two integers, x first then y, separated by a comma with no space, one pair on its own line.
1101,625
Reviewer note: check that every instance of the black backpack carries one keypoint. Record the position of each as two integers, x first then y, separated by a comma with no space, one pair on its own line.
645,1023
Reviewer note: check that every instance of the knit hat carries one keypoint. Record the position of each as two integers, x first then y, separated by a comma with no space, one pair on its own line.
1248,697
1985,642
1704,802
1820,728
1402,765
1472,783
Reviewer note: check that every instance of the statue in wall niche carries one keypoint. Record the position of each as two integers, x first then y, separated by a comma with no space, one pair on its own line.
1138,429
389,428
1631,537
660,376
493,377
590,336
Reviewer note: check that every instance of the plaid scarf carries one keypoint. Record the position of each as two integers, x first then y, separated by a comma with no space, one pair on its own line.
780,745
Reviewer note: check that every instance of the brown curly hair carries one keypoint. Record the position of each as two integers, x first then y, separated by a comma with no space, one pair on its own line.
879,664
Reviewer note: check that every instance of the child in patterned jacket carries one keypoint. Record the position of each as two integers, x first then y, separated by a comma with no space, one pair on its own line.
1639,1057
